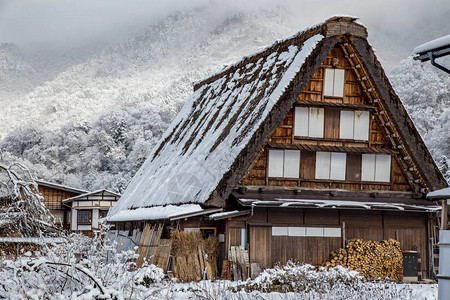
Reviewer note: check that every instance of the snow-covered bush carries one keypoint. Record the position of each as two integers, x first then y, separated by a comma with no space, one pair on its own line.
148,275
307,282
294,277
80,268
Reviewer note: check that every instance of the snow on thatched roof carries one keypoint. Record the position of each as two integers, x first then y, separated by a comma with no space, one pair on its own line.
226,122
214,126
155,213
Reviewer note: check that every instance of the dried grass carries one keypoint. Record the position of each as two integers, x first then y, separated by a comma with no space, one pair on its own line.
185,249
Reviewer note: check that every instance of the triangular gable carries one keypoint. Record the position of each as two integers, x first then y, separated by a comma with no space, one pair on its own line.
383,138
227,121
96,195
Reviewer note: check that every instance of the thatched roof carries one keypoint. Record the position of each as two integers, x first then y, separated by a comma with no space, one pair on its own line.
231,114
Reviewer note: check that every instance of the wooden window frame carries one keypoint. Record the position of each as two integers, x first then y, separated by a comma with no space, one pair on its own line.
375,167
309,123
89,211
329,80
354,125
330,165
284,164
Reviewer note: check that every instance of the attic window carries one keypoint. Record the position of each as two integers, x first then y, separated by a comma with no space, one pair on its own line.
284,163
376,167
354,125
309,121
333,85
331,165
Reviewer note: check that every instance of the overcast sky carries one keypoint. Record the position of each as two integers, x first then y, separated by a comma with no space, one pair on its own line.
398,25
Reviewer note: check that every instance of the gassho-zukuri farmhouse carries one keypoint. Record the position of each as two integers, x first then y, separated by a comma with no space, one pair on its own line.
290,151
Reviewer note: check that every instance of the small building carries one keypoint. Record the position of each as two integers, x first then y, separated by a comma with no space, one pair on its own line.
289,152
88,208
54,194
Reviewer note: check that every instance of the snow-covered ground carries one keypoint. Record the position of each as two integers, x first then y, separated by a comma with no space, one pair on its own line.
84,268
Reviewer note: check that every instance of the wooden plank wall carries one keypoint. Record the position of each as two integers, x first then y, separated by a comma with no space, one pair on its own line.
256,175
410,228
53,197
261,245
312,250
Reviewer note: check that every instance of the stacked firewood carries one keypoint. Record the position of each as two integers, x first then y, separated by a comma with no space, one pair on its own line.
371,259
14,250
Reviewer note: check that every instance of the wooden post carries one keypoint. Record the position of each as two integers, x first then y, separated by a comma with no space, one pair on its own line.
343,234
444,217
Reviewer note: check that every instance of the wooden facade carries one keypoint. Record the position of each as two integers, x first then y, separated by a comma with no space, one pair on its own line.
53,195
410,228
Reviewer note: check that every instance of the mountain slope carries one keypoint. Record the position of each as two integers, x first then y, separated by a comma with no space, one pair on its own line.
155,68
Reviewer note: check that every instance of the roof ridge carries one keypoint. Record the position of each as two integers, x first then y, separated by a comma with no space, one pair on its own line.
334,25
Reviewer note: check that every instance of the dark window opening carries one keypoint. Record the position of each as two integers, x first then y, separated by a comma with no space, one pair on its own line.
84,217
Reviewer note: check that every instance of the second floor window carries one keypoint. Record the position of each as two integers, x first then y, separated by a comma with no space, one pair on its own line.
354,125
376,167
316,122
284,163
309,122
331,165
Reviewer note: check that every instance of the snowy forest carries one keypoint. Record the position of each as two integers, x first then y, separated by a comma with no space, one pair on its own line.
89,121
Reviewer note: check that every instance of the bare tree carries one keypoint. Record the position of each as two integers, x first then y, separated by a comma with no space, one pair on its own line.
22,211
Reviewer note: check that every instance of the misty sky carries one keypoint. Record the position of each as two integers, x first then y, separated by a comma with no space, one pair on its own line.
395,27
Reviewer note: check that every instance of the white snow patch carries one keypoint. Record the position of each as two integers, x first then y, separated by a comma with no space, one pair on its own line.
154,213
223,214
440,193
433,45
339,203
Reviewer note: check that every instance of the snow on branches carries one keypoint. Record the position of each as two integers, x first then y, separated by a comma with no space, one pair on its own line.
22,211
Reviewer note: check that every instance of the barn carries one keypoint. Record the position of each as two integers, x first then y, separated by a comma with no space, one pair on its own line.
289,152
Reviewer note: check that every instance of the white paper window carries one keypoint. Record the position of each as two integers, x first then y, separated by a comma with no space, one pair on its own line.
334,82
338,165
276,163
331,165
316,122
354,125
376,167
383,168
307,231
328,85
296,231
291,164
309,121
339,83
362,121
284,163
368,167
346,124
332,232
323,165
301,121
280,231
314,231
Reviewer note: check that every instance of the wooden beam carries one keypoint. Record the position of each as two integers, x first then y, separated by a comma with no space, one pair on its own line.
444,215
